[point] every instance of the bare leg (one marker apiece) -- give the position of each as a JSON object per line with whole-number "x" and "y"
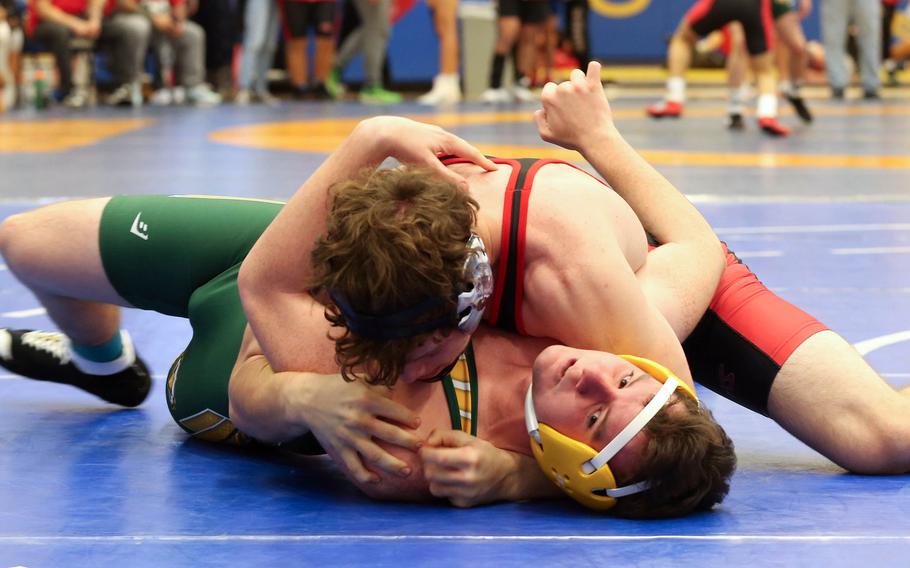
{"x": 791, "y": 35}
{"x": 830, "y": 398}
{"x": 444, "y": 17}
{"x": 737, "y": 74}
{"x": 324, "y": 57}
{"x": 679, "y": 58}
{"x": 296, "y": 60}
{"x": 54, "y": 252}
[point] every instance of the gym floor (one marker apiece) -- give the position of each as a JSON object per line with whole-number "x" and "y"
{"x": 823, "y": 217}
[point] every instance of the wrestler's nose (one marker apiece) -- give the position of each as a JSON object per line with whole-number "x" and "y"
{"x": 593, "y": 384}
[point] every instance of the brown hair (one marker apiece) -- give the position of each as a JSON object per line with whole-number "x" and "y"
{"x": 395, "y": 238}
{"x": 688, "y": 460}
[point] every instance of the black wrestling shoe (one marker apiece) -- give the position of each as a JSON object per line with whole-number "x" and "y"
{"x": 799, "y": 105}
{"x": 735, "y": 121}
{"x": 47, "y": 356}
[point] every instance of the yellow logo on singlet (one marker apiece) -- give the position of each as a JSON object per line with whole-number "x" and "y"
{"x": 619, "y": 8}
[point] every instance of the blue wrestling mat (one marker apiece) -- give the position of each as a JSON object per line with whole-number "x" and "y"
{"x": 822, "y": 217}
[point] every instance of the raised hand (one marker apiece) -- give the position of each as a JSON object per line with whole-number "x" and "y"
{"x": 574, "y": 111}
{"x": 412, "y": 142}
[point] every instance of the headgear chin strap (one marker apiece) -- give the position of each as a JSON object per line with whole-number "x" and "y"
{"x": 469, "y": 308}
{"x": 579, "y": 470}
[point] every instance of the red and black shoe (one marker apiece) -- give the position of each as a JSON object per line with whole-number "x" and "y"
{"x": 665, "y": 109}
{"x": 771, "y": 127}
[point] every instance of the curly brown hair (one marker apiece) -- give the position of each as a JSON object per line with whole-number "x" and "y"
{"x": 395, "y": 238}
{"x": 689, "y": 460}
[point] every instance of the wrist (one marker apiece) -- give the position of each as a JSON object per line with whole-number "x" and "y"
{"x": 598, "y": 137}
{"x": 371, "y": 139}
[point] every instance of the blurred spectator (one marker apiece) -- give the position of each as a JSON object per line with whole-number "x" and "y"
{"x": 11, "y": 39}
{"x": 118, "y": 26}
{"x": 220, "y": 20}
{"x": 891, "y": 64}
{"x": 180, "y": 46}
{"x": 371, "y": 39}
{"x": 300, "y": 16}
{"x": 446, "y": 85}
{"x": 866, "y": 16}
{"x": 260, "y": 40}
{"x": 518, "y": 25}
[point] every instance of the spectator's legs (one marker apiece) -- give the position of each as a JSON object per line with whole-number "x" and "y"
{"x": 350, "y": 47}
{"x": 7, "y": 81}
{"x": 577, "y": 29}
{"x": 737, "y": 72}
{"x": 324, "y": 58}
{"x": 834, "y": 37}
{"x": 259, "y": 36}
{"x": 56, "y": 38}
{"x": 868, "y": 18}
{"x": 127, "y": 36}
{"x": 508, "y": 30}
{"x": 295, "y": 58}
{"x": 190, "y": 49}
{"x": 446, "y": 87}
{"x": 267, "y": 53}
{"x": 375, "y": 27}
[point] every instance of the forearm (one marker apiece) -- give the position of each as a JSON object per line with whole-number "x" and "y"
{"x": 95, "y": 10}
{"x": 267, "y": 405}
{"x": 274, "y": 276}
{"x": 527, "y": 481}
{"x": 50, "y": 13}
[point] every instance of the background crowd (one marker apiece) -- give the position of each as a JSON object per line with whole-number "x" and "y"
{"x": 204, "y": 52}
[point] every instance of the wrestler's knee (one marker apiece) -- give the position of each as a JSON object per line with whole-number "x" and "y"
{"x": 881, "y": 445}
{"x": 15, "y": 238}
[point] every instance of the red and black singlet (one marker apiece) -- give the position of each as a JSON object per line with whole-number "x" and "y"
{"x": 504, "y": 309}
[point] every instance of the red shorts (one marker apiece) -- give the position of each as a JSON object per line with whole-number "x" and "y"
{"x": 745, "y": 337}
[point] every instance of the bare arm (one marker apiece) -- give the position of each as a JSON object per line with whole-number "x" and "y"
{"x": 47, "y": 11}
{"x": 273, "y": 278}
{"x": 469, "y": 471}
{"x": 348, "y": 419}
{"x": 696, "y": 253}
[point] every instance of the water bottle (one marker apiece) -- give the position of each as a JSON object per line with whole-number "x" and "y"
{"x": 40, "y": 89}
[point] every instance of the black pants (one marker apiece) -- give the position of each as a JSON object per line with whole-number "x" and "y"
{"x": 56, "y": 38}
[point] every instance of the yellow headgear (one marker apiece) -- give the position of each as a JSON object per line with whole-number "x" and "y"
{"x": 580, "y": 471}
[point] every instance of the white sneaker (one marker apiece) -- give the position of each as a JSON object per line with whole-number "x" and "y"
{"x": 267, "y": 98}
{"x": 445, "y": 91}
{"x": 202, "y": 95}
{"x": 522, "y": 93}
{"x": 162, "y": 97}
{"x": 121, "y": 96}
{"x": 496, "y": 96}
{"x": 243, "y": 97}
{"x": 78, "y": 98}
{"x": 179, "y": 94}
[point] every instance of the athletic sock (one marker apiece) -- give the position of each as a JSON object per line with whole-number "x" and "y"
{"x": 107, "y": 351}
{"x": 737, "y": 100}
{"x": 767, "y": 106}
{"x": 109, "y": 358}
{"x": 676, "y": 90}
{"x": 499, "y": 63}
